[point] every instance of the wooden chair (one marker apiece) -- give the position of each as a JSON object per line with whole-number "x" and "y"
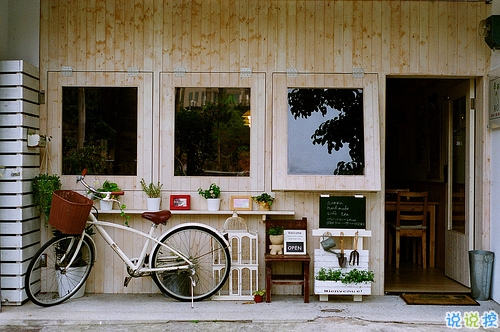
{"x": 287, "y": 279}
{"x": 392, "y": 196}
{"x": 411, "y": 221}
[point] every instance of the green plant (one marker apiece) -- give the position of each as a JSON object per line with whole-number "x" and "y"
{"x": 260, "y": 292}
{"x": 276, "y": 230}
{"x": 264, "y": 198}
{"x": 109, "y": 187}
{"x": 212, "y": 192}
{"x": 152, "y": 190}
{"x": 113, "y": 187}
{"x": 330, "y": 274}
{"x": 353, "y": 276}
{"x": 43, "y": 186}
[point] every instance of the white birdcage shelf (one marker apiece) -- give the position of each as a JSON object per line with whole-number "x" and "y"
{"x": 244, "y": 277}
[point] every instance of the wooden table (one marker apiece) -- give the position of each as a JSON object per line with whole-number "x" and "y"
{"x": 390, "y": 206}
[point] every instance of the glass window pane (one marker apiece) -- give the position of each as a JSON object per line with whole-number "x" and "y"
{"x": 100, "y": 130}
{"x": 325, "y": 132}
{"x": 212, "y": 131}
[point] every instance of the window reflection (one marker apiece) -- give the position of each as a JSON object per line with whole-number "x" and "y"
{"x": 325, "y": 132}
{"x": 99, "y": 130}
{"x": 212, "y": 131}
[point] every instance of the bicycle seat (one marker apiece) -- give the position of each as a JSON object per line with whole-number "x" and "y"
{"x": 157, "y": 217}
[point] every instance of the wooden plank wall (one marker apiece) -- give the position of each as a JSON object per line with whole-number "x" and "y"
{"x": 437, "y": 38}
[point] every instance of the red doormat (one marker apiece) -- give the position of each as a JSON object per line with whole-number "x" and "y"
{"x": 438, "y": 299}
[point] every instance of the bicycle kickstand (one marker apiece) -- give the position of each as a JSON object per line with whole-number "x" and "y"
{"x": 193, "y": 284}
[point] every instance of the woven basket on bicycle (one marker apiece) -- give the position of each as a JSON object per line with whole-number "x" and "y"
{"x": 69, "y": 211}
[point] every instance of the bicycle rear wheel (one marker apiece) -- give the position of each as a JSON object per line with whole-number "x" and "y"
{"x": 211, "y": 258}
{"x": 48, "y": 282}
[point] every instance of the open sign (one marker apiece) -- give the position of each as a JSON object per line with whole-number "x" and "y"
{"x": 294, "y": 241}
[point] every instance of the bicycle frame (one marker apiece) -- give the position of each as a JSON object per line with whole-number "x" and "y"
{"x": 185, "y": 264}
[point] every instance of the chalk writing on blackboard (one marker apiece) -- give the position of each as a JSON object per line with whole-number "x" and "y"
{"x": 342, "y": 212}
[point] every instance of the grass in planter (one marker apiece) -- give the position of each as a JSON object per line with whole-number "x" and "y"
{"x": 353, "y": 276}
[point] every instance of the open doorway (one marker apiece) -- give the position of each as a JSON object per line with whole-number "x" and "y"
{"x": 419, "y": 151}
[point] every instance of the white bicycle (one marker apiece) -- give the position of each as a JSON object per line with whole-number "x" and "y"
{"x": 189, "y": 262}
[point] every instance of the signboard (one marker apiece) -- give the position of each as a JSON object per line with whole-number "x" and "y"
{"x": 494, "y": 112}
{"x": 342, "y": 212}
{"x": 294, "y": 241}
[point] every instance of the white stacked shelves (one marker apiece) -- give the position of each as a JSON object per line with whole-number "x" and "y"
{"x": 19, "y": 164}
{"x": 244, "y": 277}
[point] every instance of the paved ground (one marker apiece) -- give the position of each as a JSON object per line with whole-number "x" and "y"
{"x": 143, "y": 312}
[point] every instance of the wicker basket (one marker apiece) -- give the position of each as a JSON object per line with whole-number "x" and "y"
{"x": 69, "y": 211}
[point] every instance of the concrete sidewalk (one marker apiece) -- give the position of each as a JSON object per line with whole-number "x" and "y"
{"x": 379, "y": 312}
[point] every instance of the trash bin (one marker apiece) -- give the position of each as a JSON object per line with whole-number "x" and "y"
{"x": 481, "y": 269}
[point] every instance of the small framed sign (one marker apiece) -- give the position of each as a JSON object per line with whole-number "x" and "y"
{"x": 294, "y": 241}
{"x": 241, "y": 203}
{"x": 180, "y": 202}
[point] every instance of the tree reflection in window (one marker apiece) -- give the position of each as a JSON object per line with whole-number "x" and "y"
{"x": 331, "y": 118}
{"x": 99, "y": 130}
{"x": 212, "y": 131}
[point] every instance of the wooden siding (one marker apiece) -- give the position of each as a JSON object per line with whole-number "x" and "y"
{"x": 213, "y": 36}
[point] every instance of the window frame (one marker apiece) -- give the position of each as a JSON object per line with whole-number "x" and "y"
{"x": 169, "y": 81}
{"x": 145, "y": 151}
{"x": 371, "y": 179}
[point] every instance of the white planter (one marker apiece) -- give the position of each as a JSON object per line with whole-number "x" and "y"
{"x": 213, "y": 204}
{"x": 106, "y": 205}
{"x": 73, "y": 273}
{"x": 153, "y": 203}
{"x": 339, "y": 288}
{"x": 276, "y": 239}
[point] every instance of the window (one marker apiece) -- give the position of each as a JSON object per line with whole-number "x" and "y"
{"x": 212, "y": 131}
{"x": 242, "y": 145}
{"x": 325, "y": 125}
{"x": 325, "y": 132}
{"x": 99, "y": 130}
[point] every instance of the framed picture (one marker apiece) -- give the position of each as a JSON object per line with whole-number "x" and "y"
{"x": 180, "y": 202}
{"x": 241, "y": 203}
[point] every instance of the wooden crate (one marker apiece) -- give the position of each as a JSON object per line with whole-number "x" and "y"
{"x": 329, "y": 260}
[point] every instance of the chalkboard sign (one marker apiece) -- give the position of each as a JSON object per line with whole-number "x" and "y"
{"x": 342, "y": 212}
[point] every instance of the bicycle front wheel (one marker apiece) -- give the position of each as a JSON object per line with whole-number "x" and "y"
{"x": 205, "y": 249}
{"x": 48, "y": 280}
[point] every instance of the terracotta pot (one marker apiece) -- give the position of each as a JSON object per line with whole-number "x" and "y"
{"x": 257, "y": 298}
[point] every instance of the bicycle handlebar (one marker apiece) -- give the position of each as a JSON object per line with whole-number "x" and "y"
{"x": 99, "y": 194}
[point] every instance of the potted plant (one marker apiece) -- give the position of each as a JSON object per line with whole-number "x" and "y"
{"x": 276, "y": 235}
{"x": 212, "y": 195}
{"x": 154, "y": 192}
{"x": 264, "y": 200}
{"x": 43, "y": 186}
{"x": 258, "y": 295}
{"x": 108, "y": 186}
{"x": 341, "y": 282}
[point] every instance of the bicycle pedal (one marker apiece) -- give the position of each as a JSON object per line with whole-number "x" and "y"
{"x": 127, "y": 280}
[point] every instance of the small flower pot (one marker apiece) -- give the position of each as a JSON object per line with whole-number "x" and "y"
{"x": 258, "y": 298}
{"x": 213, "y": 204}
{"x": 276, "y": 239}
{"x": 153, "y": 203}
{"x": 264, "y": 206}
{"x": 106, "y": 205}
